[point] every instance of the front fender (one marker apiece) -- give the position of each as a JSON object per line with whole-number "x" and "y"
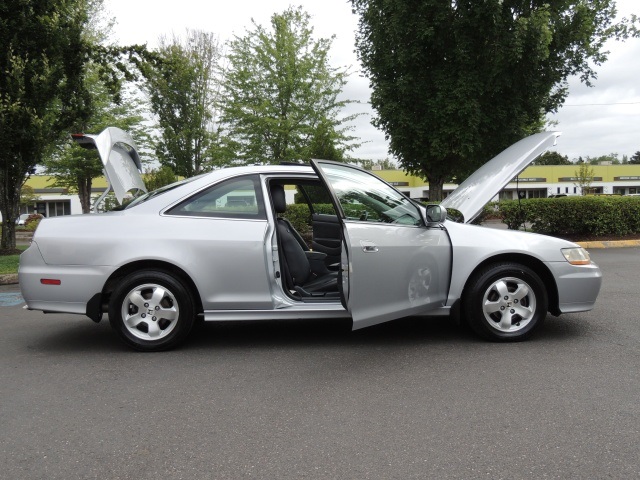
{"x": 474, "y": 245}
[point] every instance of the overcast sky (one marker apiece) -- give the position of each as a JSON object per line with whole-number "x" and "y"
{"x": 595, "y": 121}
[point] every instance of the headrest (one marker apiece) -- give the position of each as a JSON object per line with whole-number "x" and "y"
{"x": 279, "y": 198}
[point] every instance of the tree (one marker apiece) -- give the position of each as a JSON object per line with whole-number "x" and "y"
{"x": 159, "y": 177}
{"x": 385, "y": 164}
{"x": 281, "y": 95}
{"x": 584, "y": 176}
{"x": 27, "y": 196}
{"x": 612, "y": 158}
{"x": 552, "y": 158}
{"x": 74, "y": 167}
{"x": 71, "y": 166}
{"x": 635, "y": 158}
{"x": 454, "y": 83}
{"x": 183, "y": 89}
{"x": 40, "y": 90}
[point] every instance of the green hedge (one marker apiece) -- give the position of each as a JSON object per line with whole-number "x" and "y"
{"x": 299, "y": 216}
{"x": 589, "y": 215}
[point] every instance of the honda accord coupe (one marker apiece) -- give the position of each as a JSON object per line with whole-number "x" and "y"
{"x": 221, "y": 246}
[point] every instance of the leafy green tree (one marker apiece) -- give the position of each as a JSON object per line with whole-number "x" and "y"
{"x": 159, "y": 177}
{"x": 385, "y": 164}
{"x": 183, "y": 89}
{"x": 40, "y": 90}
{"x": 73, "y": 167}
{"x": 635, "y": 158}
{"x": 454, "y": 83}
{"x": 552, "y": 158}
{"x": 27, "y": 196}
{"x": 281, "y": 95}
{"x": 323, "y": 145}
{"x": 612, "y": 157}
{"x": 584, "y": 176}
{"x": 43, "y": 95}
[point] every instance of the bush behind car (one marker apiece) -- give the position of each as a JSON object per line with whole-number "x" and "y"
{"x": 588, "y": 215}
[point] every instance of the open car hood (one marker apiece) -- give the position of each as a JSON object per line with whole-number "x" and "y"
{"x": 118, "y": 153}
{"x": 476, "y": 191}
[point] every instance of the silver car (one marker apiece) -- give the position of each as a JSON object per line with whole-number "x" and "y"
{"x": 220, "y": 246}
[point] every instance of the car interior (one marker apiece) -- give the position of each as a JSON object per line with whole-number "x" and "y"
{"x": 309, "y": 274}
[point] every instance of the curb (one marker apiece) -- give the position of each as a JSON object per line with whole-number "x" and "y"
{"x": 610, "y": 244}
{"x": 12, "y": 278}
{"x": 9, "y": 279}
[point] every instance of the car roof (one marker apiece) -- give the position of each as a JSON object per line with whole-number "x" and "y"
{"x": 229, "y": 172}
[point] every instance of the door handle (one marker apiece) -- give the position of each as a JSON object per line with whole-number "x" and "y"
{"x": 368, "y": 247}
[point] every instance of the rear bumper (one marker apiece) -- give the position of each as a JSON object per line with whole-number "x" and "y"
{"x": 78, "y": 283}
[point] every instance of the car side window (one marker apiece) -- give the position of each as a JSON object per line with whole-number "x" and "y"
{"x": 364, "y": 197}
{"x": 235, "y": 198}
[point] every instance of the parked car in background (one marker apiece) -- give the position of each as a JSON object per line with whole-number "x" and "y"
{"x": 22, "y": 219}
{"x": 193, "y": 249}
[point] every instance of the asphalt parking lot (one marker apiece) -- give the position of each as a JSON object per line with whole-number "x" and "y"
{"x": 413, "y": 398}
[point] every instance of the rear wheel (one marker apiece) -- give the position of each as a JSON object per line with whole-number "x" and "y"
{"x": 505, "y": 302}
{"x": 151, "y": 310}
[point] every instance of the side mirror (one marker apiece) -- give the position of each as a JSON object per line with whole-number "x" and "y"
{"x": 435, "y": 214}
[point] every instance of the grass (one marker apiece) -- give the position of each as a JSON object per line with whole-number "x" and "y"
{"x": 9, "y": 263}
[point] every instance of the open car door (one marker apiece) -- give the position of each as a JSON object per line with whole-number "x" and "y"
{"x": 393, "y": 265}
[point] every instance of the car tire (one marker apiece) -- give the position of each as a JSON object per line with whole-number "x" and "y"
{"x": 169, "y": 314}
{"x": 505, "y": 302}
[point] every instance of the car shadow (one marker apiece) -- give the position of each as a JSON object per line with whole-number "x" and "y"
{"x": 78, "y": 336}
{"x": 87, "y": 337}
{"x": 327, "y": 332}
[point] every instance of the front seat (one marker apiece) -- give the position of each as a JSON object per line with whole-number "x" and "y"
{"x": 297, "y": 258}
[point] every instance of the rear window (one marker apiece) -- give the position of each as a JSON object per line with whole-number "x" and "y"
{"x": 154, "y": 193}
{"x": 235, "y": 198}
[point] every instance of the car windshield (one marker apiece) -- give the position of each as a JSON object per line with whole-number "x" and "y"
{"x": 159, "y": 191}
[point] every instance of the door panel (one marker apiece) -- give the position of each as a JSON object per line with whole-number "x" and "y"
{"x": 395, "y": 265}
{"x": 395, "y": 271}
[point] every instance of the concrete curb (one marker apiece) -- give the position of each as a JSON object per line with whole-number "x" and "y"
{"x": 12, "y": 278}
{"x": 9, "y": 279}
{"x": 610, "y": 244}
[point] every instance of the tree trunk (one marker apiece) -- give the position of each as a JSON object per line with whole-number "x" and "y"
{"x": 10, "y": 209}
{"x": 84, "y": 193}
{"x": 8, "y": 234}
{"x": 435, "y": 188}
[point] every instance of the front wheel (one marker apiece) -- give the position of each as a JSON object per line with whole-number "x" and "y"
{"x": 505, "y": 302}
{"x": 151, "y": 310}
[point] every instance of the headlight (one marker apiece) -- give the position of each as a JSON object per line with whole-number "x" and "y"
{"x": 576, "y": 256}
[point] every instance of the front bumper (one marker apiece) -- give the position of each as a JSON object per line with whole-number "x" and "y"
{"x": 578, "y": 285}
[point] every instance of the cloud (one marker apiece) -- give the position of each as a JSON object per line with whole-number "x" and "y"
{"x": 588, "y": 130}
{"x": 606, "y": 117}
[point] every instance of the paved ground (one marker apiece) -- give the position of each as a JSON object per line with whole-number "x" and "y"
{"x": 408, "y": 399}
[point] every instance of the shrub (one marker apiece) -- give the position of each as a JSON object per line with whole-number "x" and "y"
{"x": 300, "y": 217}
{"x": 589, "y": 215}
{"x": 32, "y": 222}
